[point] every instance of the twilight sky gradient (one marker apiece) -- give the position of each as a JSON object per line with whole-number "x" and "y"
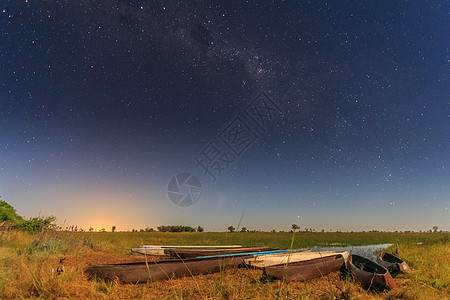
{"x": 102, "y": 102}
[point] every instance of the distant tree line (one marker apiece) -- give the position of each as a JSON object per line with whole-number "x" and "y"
{"x": 10, "y": 219}
{"x": 178, "y": 228}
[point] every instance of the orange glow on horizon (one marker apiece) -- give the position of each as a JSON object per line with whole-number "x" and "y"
{"x": 100, "y": 206}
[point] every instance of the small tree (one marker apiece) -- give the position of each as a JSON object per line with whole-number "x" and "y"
{"x": 435, "y": 228}
{"x": 200, "y": 229}
{"x": 244, "y": 229}
{"x": 113, "y": 228}
{"x": 8, "y": 213}
{"x": 295, "y": 227}
{"x": 231, "y": 229}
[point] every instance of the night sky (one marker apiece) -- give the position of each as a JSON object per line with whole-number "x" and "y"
{"x": 340, "y": 113}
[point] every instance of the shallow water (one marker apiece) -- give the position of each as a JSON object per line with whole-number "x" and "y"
{"x": 368, "y": 251}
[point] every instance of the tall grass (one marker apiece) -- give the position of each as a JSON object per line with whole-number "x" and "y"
{"x": 29, "y": 264}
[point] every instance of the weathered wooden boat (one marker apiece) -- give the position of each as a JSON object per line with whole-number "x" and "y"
{"x": 159, "y": 250}
{"x": 149, "y": 250}
{"x": 393, "y": 263}
{"x": 369, "y": 273}
{"x": 307, "y": 269}
{"x": 162, "y": 270}
{"x": 298, "y": 255}
{"x": 184, "y": 253}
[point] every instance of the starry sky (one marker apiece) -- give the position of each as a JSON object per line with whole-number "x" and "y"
{"x": 102, "y": 102}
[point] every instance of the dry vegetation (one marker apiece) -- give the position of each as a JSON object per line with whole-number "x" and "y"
{"x": 50, "y": 265}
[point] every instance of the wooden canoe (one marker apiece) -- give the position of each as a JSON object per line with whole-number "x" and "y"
{"x": 369, "y": 273}
{"x": 159, "y": 250}
{"x": 393, "y": 263}
{"x": 148, "y": 251}
{"x": 306, "y": 270}
{"x": 193, "y": 253}
{"x": 163, "y": 270}
{"x": 289, "y": 257}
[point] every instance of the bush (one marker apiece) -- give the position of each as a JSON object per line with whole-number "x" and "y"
{"x": 34, "y": 225}
{"x": 8, "y": 213}
{"x": 179, "y": 228}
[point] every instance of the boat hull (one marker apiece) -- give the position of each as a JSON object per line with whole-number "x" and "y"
{"x": 370, "y": 274}
{"x": 159, "y": 250}
{"x": 163, "y": 270}
{"x": 290, "y": 257}
{"x": 393, "y": 264}
{"x": 193, "y": 253}
{"x": 306, "y": 270}
{"x": 149, "y": 251}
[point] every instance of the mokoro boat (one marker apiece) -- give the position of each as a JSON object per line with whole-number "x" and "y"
{"x": 290, "y": 257}
{"x": 393, "y": 263}
{"x": 155, "y": 271}
{"x": 159, "y": 250}
{"x": 306, "y": 270}
{"x": 193, "y": 253}
{"x": 369, "y": 273}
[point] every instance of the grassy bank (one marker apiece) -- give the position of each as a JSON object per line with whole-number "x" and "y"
{"x": 31, "y": 266}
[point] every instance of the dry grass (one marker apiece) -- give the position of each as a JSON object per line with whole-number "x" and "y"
{"x": 31, "y": 268}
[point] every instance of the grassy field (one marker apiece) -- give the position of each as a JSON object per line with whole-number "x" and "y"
{"x": 31, "y": 266}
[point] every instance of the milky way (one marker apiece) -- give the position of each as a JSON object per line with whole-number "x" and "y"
{"x": 102, "y": 103}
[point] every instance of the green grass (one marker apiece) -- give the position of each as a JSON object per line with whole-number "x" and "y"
{"x": 125, "y": 240}
{"x": 29, "y": 262}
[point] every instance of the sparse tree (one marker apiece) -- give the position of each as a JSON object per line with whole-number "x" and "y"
{"x": 231, "y": 229}
{"x": 435, "y": 228}
{"x": 244, "y": 229}
{"x": 295, "y": 227}
{"x": 200, "y": 229}
{"x": 113, "y": 228}
{"x": 177, "y": 228}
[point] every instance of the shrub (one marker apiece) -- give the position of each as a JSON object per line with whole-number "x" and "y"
{"x": 178, "y": 228}
{"x": 8, "y": 213}
{"x": 34, "y": 225}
